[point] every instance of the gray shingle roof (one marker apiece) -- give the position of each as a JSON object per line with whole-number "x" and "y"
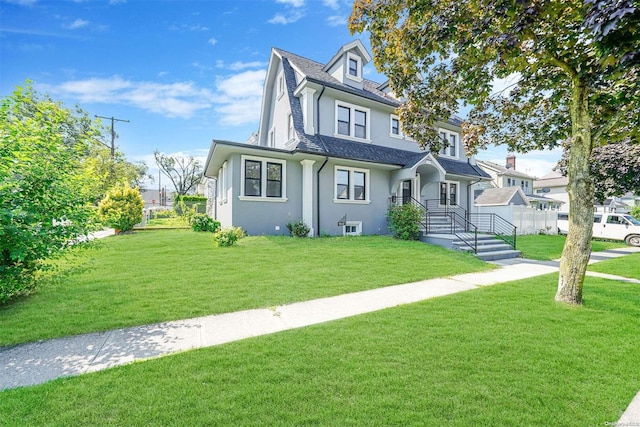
{"x": 344, "y": 148}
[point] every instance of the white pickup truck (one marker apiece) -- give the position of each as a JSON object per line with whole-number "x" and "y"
{"x": 613, "y": 226}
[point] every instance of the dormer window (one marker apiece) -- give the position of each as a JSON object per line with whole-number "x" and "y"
{"x": 354, "y": 67}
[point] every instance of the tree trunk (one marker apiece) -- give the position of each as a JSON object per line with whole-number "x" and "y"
{"x": 577, "y": 248}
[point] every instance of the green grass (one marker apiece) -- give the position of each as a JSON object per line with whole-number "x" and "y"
{"x": 501, "y": 355}
{"x": 148, "y": 277}
{"x": 173, "y": 222}
{"x": 626, "y": 266}
{"x": 549, "y": 247}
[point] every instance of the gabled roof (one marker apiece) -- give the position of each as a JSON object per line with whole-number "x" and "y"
{"x": 503, "y": 196}
{"x": 357, "y": 45}
{"x": 552, "y": 179}
{"x": 501, "y": 170}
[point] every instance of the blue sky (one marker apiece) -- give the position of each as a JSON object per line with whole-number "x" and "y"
{"x": 182, "y": 72}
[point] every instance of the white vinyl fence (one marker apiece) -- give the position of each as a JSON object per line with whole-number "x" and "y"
{"x": 528, "y": 220}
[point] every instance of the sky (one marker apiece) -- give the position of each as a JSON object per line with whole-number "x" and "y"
{"x": 181, "y": 72}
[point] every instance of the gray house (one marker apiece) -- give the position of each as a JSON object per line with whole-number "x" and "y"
{"x": 331, "y": 152}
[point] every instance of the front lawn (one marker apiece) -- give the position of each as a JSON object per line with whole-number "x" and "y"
{"x": 149, "y": 277}
{"x": 549, "y": 247}
{"x": 626, "y": 266}
{"x": 501, "y": 355}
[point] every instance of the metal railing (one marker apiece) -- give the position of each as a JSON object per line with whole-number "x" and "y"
{"x": 453, "y": 219}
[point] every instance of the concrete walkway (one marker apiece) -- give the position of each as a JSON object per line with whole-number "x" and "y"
{"x": 39, "y": 362}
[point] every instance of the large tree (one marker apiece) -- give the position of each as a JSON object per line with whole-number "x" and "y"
{"x": 184, "y": 172}
{"x": 569, "y": 86}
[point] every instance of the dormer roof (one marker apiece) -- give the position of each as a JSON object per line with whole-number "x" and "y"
{"x": 354, "y": 45}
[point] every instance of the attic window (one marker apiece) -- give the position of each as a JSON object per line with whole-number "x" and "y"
{"x": 354, "y": 67}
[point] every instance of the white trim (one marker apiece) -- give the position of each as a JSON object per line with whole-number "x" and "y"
{"x": 222, "y": 184}
{"x": 280, "y": 83}
{"x": 272, "y": 137}
{"x": 358, "y": 59}
{"x": 448, "y": 134}
{"x": 357, "y": 224}
{"x": 448, "y": 182}
{"x": 290, "y": 131}
{"x": 367, "y": 185}
{"x": 263, "y": 179}
{"x": 398, "y": 135}
{"x": 352, "y": 122}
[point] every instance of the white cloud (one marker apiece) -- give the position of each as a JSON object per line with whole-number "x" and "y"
{"x": 333, "y": 4}
{"x": 289, "y": 18}
{"x": 22, "y": 2}
{"x": 239, "y": 98}
{"x": 212, "y": 41}
{"x": 77, "y": 24}
{"x": 181, "y": 99}
{"x": 337, "y": 20}
{"x": 189, "y": 27}
{"x": 292, "y": 3}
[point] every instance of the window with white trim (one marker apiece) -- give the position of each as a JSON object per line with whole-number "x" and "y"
{"x": 354, "y": 67}
{"x": 290, "y": 127}
{"x": 351, "y": 185}
{"x": 352, "y": 228}
{"x": 449, "y": 143}
{"x": 394, "y": 126}
{"x": 272, "y": 137}
{"x": 449, "y": 193}
{"x": 352, "y": 120}
{"x": 280, "y": 84}
{"x": 263, "y": 178}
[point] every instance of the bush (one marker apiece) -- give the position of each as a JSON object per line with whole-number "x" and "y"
{"x": 164, "y": 213}
{"x": 404, "y": 221}
{"x": 298, "y": 229}
{"x": 121, "y": 208}
{"x": 189, "y": 205}
{"x": 203, "y": 222}
{"x": 635, "y": 212}
{"x": 228, "y": 236}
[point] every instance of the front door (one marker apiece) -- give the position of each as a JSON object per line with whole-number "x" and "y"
{"x": 448, "y": 193}
{"x": 406, "y": 192}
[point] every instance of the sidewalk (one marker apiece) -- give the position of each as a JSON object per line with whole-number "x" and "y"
{"x": 39, "y": 362}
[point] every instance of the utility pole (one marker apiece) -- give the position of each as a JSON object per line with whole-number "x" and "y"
{"x": 113, "y": 133}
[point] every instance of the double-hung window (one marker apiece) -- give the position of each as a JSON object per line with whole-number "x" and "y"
{"x": 394, "y": 126}
{"x": 263, "y": 178}
{"x": 354, "y": 67}
{"x": 351, "y": 185}
{"x": 352, "y": 121}
{"x": 449, "y": 142}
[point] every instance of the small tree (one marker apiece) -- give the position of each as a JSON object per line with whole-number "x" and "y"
{"x": 404, "y": 221}
{"x": 121, "y": 208}
{"x": 635, "y": 212}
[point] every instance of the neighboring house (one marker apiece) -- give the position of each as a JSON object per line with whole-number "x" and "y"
{"x": 508, "y": 177}
{"x": 502, "y": 197}
{"x": 331, "y": 152}
{"x": 553, "y": 185}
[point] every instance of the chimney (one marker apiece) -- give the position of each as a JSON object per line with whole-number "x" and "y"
{"x": 511, "y": 162}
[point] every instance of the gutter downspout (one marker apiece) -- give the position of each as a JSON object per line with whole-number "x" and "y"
{"x": 326, "y": 159}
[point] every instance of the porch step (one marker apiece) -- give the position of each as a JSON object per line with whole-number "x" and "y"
{"x": 490, "y": 248}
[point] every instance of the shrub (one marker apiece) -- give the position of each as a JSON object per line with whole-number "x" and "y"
{"x": 121, "y": 208}
{"x": 298, "y": 228}
{"x": 635, "y": 212}
{"x": 203, "y": 222}
{"x": 404, "y": 221}
{"x": 228, "y": 236}
{"x": 195, "y": 204}
{"x": 164, "y": 213}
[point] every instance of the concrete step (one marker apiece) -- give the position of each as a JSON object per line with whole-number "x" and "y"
{"x": 495, "y": 255}
{"x": 496, "y": 247}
